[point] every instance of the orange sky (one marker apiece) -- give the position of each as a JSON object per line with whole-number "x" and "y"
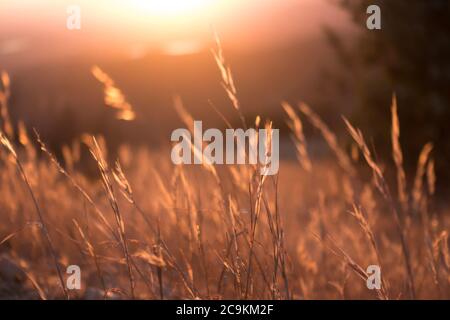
{"x": 38, "y": 26}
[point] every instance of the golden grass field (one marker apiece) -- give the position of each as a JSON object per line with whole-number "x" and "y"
{"x": 144, "y": 228}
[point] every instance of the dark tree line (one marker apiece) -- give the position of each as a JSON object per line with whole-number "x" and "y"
{"x": 410, "y": 56}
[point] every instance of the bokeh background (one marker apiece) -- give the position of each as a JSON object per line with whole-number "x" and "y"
{"x": 317, "y": 51}
{"x": 145, "y": 228}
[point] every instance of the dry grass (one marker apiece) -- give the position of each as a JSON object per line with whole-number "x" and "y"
{"x": 147, "y": 229}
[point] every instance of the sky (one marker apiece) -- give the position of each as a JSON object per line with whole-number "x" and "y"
{"x": 276, "y": 49}
{"x": 37, "y": 28}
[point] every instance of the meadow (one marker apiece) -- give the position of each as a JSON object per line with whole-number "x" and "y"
{"x": 144, "y": 228}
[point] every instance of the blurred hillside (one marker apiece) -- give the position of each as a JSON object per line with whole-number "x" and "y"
{"x": 263, "y": 78}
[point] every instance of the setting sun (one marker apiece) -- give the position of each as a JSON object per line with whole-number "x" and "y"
{"x": 172, "y": 7}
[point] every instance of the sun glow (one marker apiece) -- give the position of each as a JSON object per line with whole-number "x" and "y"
{"x": 172, "y": 7}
